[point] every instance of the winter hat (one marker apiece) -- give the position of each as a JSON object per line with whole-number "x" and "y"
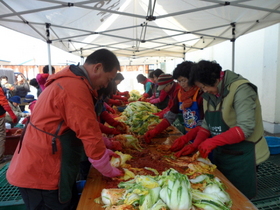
{"x": 15, "y": 99}
{"x": 29, "y": 98}
{"x": 163, "y": 80}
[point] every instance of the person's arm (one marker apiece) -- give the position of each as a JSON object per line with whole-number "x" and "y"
{"x": 245, "y": 107}
{"x": 120, "y": 126}
{"x": 114, "y": 102}
{"x": 5, "y": 104}
{"x": 161, "y": 97}
{"x": 69, "y": 99}
{"x": 148, "y": 87}
{"x": 107, "y": 130}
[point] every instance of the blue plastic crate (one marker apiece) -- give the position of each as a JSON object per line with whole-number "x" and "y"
{"x": 273, "y": 144}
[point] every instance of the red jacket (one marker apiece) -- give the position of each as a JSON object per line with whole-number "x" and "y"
{"x": 3, "y": 102}
{"x": 173, "y": 102}
{"x": 68, "y": 98}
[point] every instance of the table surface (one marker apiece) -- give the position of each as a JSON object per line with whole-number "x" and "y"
{"x": 96, "y": 182}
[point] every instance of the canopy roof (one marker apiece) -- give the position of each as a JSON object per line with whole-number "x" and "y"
{"x": 138, "y": 31}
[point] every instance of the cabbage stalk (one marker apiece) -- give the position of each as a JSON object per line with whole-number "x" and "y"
{"x": 175, "y": 191}
{"x": 159, "y": 205}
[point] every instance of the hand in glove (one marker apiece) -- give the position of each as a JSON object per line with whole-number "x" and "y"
{"x": 127, "y": 94}
{"x": 183, "y": 140}
{"x": 113, "y": 145}
{"x": 107, "y": 130}
{"x": 201, "y": 136}
{"x": 161, "y": 113}
{"x": 115, "y": 102}
{"x": 158, "y": 129}
{"x": 232, "y": 136}
{"x": 11, "y": 113}
{"x": 146, "y": 95}
{"x": 104, "y": 166}
{"x": 109, "y": 109}
{"x": 121, "y": 127}
{"x": 142, "y": 98}
{"x": 119, "y": 97}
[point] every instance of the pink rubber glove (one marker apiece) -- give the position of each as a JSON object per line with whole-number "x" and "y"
{"x": 103, "y": 165}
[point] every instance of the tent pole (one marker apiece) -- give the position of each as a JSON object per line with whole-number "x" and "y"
{"x": 233, "y": 45}
{"x": 233, "y": 55}
{"x": 82, "y": 57}
{"x": 49, "y": 56}
{"x": 49, "y": 46}
{"x": 184, "y": 52}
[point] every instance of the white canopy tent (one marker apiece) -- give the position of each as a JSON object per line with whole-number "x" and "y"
{"x": 138, "y": 31}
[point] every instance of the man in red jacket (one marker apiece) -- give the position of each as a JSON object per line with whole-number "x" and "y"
{"x": 63, "y": 127}
{"x": 4, "y": 107}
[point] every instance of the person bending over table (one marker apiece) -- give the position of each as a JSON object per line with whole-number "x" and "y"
{"x": 232, "y": 127}
{"x": 62, "y": 127}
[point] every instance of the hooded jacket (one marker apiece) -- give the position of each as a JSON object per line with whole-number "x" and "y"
{"x": 68, "y": 97}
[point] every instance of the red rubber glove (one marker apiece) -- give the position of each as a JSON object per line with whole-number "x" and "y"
{"x": 161, "y": 113}
{"x": 146, "y": 95}
{"x": 121, "y": 127}
{"x": 116, "y": 145}
{"x": 104, "y": 166}
{"x": 115, "y": 102}
{"x": 11, "y": 113}
{"x": 183, "y": 140}
{"x": 109, "y": 109}
{"x": 107, "y": 130}
{"x": 125, "y": 99}
{"x": 120, "y": 98}
{"x": 125, "y": 93}
{"x": 201, "y": 136}
{"x": 232, "y": 136}
{"x": 113, "y": 145}
{"x": 142, "y": 98}
{"x": 158, "y": 129}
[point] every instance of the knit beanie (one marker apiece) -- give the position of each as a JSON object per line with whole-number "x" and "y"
{"x": 163, "y": 80}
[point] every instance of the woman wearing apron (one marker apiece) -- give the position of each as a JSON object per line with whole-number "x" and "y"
{"x": 184, "y": 100}
{"x": 232, "y": 127}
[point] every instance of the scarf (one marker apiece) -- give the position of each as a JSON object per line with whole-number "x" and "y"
{"x": 187, "y": 96}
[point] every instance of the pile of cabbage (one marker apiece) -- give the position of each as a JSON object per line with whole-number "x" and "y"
{"x": 134, "y": 95}
{"x": 139, "y": 115}
{"x": 171, "y": 190}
